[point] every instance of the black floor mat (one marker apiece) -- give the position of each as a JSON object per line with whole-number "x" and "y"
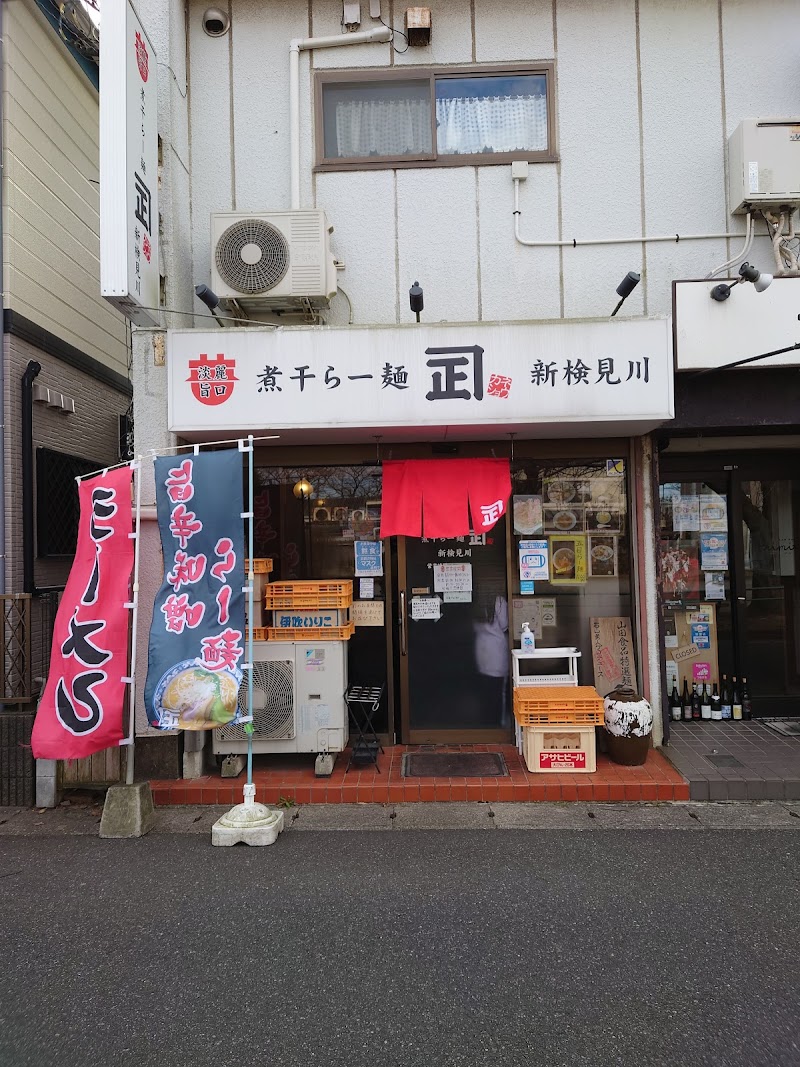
{"x": 453, "y": 765}
{"x": 784, "y": 727}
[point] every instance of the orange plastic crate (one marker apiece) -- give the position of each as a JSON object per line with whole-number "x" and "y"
{"x": 326, "y": 633}
{"x": 260, "y": 566}
{"x": 259, "y": 633}
{"x": 579, "y": 705}
{"x": 338, "y": 594}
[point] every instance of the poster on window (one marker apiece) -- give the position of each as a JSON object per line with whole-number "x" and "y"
{"x": 686, "y": 514}
{"x": 198, "y": 627}
{"x": 713, "y": 551}
{"x": 680, "y": 569}
{"x": 713, "y": 513}
{"x": 527, "y": 515}
{"x": 603, "y": 556}
{"x": 369, "y": 559}
{"x": 568, "y": 560}
{"x": 81, "y": 710}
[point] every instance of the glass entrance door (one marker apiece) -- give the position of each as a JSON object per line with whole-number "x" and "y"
{"x": 730, "y": 588}
{"x": 454, "y": 646}
{"x": 768, "y": 594}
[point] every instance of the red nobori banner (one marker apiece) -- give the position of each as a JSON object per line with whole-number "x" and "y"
{"x": 81, "y": 710}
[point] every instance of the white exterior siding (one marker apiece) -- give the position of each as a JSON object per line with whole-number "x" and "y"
{"x": 51, "y": 269}
{"x": 646, "y": 95}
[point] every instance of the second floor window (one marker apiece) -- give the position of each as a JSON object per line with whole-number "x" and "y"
{"x": 376, "y": 119}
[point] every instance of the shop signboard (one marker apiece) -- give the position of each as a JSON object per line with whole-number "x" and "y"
{"x": 129, "y": 269}
{"x": 612, "y": 653}
{"x": 614, "y": 375}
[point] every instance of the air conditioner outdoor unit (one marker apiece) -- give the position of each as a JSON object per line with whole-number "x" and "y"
{"x": 298, "y": 699}
{"x": 764, "y": 164}
{"x": 273, "y": 260}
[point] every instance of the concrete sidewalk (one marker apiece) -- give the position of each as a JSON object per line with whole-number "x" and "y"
{"x": 84, "y": 820}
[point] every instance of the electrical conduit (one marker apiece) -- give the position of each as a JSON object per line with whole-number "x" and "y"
{"x": 308, "y": 44}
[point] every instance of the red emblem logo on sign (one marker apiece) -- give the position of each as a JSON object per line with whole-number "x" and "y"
{"x": 142, "y": 58}
{"x": 212, "y": 380}
{"x": 499, "y": 385}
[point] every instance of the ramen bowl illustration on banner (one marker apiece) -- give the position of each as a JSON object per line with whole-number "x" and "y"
{"x": 191, "y": 697}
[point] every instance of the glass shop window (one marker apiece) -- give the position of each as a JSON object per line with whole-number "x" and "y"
{"x": 309, "y": 520}
{"x": 571, "y": 560}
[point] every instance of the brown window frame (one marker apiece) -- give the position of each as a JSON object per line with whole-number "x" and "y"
{"x": 377, "y": 75}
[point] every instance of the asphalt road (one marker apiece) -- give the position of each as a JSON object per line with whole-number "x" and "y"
{"x": 651, "y": 947}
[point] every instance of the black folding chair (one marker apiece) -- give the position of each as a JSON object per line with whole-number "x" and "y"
{"x": 363, "y": 701}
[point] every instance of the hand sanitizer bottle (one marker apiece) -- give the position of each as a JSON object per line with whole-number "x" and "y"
{"x": 527, "y": 643}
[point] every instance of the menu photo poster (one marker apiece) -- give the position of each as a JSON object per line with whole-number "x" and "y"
{"x": 527, "y": 515}
{"x": 558, "y": 520}
{"x": 568, "y": 560}
{"x": 603, "y": 556}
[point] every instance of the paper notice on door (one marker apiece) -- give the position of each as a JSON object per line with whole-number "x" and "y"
{"x": 452, "y": 577}
{"x": 686, "y": 514}
{"x": 458, "y": 596}
{"x": 426, "y": 607}
{"x": 368, "y": 612}
{"x": 366, "y": 588}
{"x": 715, "y": 586}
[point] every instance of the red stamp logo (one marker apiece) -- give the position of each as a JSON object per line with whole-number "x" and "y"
{"x": 142, "y": 58}
{"x": 499, "y": 385}
{"x": 212, "y": 381}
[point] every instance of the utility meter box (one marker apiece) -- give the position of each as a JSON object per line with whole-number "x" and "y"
{"x": 764, "y": 164}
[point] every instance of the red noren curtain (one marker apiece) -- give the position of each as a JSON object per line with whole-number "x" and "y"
{"x": 443, "y": 497}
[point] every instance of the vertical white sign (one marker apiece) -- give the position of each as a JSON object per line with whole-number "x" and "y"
{"x": 129, "y": 274}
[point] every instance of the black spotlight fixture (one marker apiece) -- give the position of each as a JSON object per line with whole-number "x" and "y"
{"x": 415, "y": 299}
{"x": 210, "y": 299}
{"x": 747, "y": 273}
{"x": 625, "y": 288}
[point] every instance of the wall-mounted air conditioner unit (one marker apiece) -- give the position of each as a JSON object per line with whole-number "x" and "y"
{"x": 298, "y": 699}
{"x": 273, "y": 260}
{"x": 764, "y": 164}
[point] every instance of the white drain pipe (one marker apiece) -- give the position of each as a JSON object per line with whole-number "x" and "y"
{"x": 381, "y": 33}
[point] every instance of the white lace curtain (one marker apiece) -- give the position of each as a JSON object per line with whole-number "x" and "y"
{"x": 465, "y": 126}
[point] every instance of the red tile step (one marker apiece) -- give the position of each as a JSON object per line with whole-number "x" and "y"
{"x": 291, "y": 780}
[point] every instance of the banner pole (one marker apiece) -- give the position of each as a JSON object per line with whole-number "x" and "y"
{"x": 131, "y": 742}
{"x": 250, "y": 585}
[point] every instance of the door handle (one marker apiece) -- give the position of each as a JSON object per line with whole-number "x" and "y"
{"x": 403, "y": 624}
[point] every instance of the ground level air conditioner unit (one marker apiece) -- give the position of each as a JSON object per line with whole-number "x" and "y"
{"x": 273, "y": 260}
{"x": 298, "y": 700}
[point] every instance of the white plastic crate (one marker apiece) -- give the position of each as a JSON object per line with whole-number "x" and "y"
{"x": 559, "y": 749}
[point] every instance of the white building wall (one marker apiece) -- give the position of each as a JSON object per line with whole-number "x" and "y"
{"x": 646, "y": 95}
